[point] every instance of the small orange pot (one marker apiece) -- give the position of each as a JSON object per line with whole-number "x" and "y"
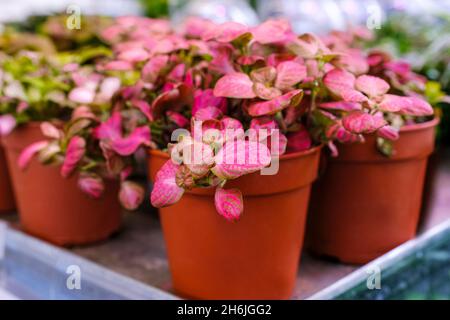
{"x": 367, "y": 204}
{"x": 254, "y": 258}
{"x": 7, "y": 203}
{"x": 54, "y": 208}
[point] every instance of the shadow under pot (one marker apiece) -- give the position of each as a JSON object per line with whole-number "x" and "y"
{"x": 54, "y": 208}
{"x": 7, "y": 203}
{"x": 366, "y": 204}
{"x": 254, "y": 258}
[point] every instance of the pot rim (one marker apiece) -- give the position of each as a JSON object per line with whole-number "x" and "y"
{"x": 420, "y": 126}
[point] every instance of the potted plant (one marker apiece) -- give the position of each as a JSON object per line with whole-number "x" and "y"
{"x": 269, "y": 89}
{"x": 368, "y": 200}
{"x": 57, "y": 102}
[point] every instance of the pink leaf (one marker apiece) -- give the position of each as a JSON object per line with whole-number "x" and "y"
{"x": 7, "y": 124}
{"x": 289, "y": 73}
{"x": 266, "y": 93}
{"x": 340, "y": 105}
{"x": 371, "y": 86}
{"x": 177, "y": 118}
{"x": 237, "y": 158}
{"x": 82, "y": 95}
{"x": 91, "y": 184}
{"x": 165, "y": 190}
{"x": 235, "y": 85}
{"x": 118, "y": 65}
{"x": 131, "y": 195}
{"x": 271, "y": 107}
{"x": 153, "y": 67}
{"x": 111, "y": 128}
{"x": 362, "y": 122}
{"x": 338, "y": 80}
{"x": 388, "y": 132}
{"x": 108, "y": 88}
{"x": 206, "y": 98}
{"x": 229, "y": 203}
{"x": 272, "y": 31}
{"x": 134, "y": 55}
{"x": 417, "y": 107}
{"x": 128, "y": 145}
{"x": 50, "y": 131}
{"x": 351, "y": 95}
{"x": 208, "y": 113}
{"x": 28, "y": 153}
{"x": 74, "y": 153}
{"x": 299, "y": 141}
{"x": 394, "y": 103}
{"x": 225, "y": 32}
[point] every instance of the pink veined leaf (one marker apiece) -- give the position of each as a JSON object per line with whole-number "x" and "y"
{"x": 240, "y": 157}
{"x": 131, "y": 195}
{"x": 306, "y": 46}
{"x": 266, "y": 93}
{"x": 229, "y": 203}
{"x": 264, "y": 75}
{"x": 235, "y": 85}
{"x": 82, "y": 95}
{"x": 362, "y": 122}
{"x": 394, "y": 103}
{"x": 153, "y": 67}
{"x": 198, "y": 157}
{"x": 7, "y": 124}
{"x": 351, "y": 95}
{"x": 354, "y": 61}
{"x": 340, "y": 105}
{"x": 50, "y": 131}
{"x": 74, "y": 153}
{"x": 272, "y": 31}
{"x": 108, "y": 88}
{"x": 177, "y": 118}
{"x": 289, "y": 73}
{"x": 28, "y": 153}
{"x": 134, "y": 55}
{"x": 83, "y": 112}
{"x": 273, "y": 106}
{"x": 388, "y": 132}
{"x": 231, "y": 123}
{"x": 165, "y": 189}
{"x": 91, "y": 184}
{"x": 338, "y": 80}
{"x": 205, "y": 98}
{"x": 208, "y": 113}
{"x": 371, "y": 86}
{"x": 128, "y": 145}
{"x": 338, "y": 132}
{"x": 298, "y": 141}
{"x": 118, "y": 65}
{"x": 225, "y": 32}
{"x": 417, "y": 107}
{"x": 232, "y": 129}
{"x": 111, "y": 129}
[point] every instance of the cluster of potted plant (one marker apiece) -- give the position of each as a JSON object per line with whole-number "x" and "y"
{"x": 234, "y": 120}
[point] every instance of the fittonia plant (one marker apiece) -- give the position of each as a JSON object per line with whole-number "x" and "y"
{"x": 269, "y": 78}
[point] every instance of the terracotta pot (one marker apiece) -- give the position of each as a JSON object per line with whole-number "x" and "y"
{"x": 367, "y": 204}
{"x": 254, "y": 258}
{"x": 7, "y": 203}
{"x": 54, "y": 208}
